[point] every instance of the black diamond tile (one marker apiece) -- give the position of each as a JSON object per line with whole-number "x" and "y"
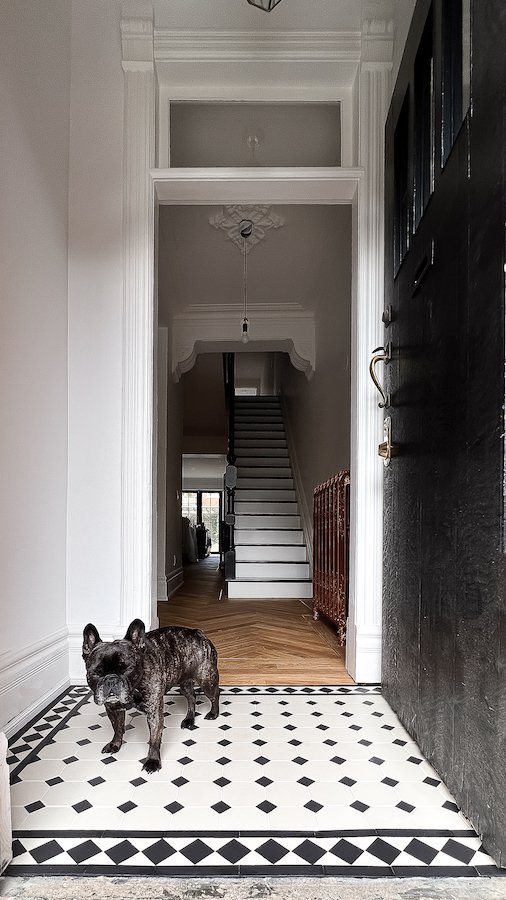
{"x": 300, "y": 760}
{"x": 421, "y": 851}
{"x": 138, "y": 781}
{"x": 33, "y": 807}
{"x": 384, "y": 851}
{"x": 349, "y": 782}
{"x": 257, "y": 727}
{"x": 257, "y": 713}
{"x": 266, "y": 806}
{"x": 223, "y": 761}
{"x": 451, "y": 806}
{"x": 121, "y": 852}
{"x": 224, "y": 743}
{"x": 93, "y": 727}
{"x": 330, "y": 742}
{"x": 388, "y": 727}
{"x": 290, "y": 728}
{"x": 226, "y": 714}
{"x": 72, "y": 759}
{"x": 338, "y": 760}
{"x": 305, "y": 781}
{"x": 46, "y": 852}
{"x": 220, "y": 807}
{"x": 84, "y": 851}
{"x": 295, "y": 743}
{"x": 313, "y": 806}
{"x": 347, "y": 715}
{"x": 322, "y": 727}
{"x": 180, "y": 781}
{"x": 189, "y": 743}
{"x": 317, "y": 714}
{"x": 263, "y": 781}
{"x": 158, "y": 852}
{"x": 108, "y": 760}
{"x": 173, "y": 807}
{"x": 434, "y": 782}
{"x": 365, "y": 743}
{"x": 222, "y": 782}
{"x": 390, "y": 781}
{"x": 52, "y": 781}
{"x": 309, "y": 851}
{"x": 17, "y": 849}
{"x": 261, "y": 760}
{"x": 225, "y": 727}
{"x": 83, "y": 742}
{"x": 233, "y": 851}
{"x": 127, "y": 807}
{"x": 260, "y": 743}
{"x": 355, "y": 728}
{"x": 406, "y": 807}
{"x": 346, "y": 851}
{"x": 272, "y": 851}
{"x": 399, "y": 743}
{"x": 415, "y": 760}
{"x": 196, "y": 851}
{"x": 376, "y": 760}
{"x": 458, "y": 851}
{"x": 185, "y": 760}
{"x": 357, "y": 804}
{"x": 95, "y": 781}
{"x": 81, "y": 806}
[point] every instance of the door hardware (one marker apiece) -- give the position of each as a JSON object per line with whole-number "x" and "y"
{"x": 387, "y": 316}
{"x": 380, "y": 354}
{"x": 423, "y": 268}
{"x": 387, "y": 450}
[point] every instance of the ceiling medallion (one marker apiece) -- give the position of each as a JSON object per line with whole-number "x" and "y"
{"x": 230, "y": 218}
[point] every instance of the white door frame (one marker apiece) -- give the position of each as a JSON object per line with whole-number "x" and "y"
{"x": 144, "y": 187}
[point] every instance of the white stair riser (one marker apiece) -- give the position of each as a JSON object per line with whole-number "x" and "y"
{"x": 274, "y": 468}
{"x": 254, "y": 494}
{"x": 267, "y": 521}
{"x": 265, "y": 508}
{"x": 272, "y": 589}
{"x": 265, "y": 484}
{"x": 268, "y": 536}
{"x": 269, "y": 570}
{"x": 265, "y": 455}
{"x": 271, "y": 553}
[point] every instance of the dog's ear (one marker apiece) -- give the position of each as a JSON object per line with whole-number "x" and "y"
{"x": 91, "y": 638}
{"x": 136, "y": 633}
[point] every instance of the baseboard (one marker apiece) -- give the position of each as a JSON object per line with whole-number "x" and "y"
{"x": 363, "y": 653}
{"x": 306, "y": 516}
{"x": 5, "y": 808}
{"x": 175, "y": 581}
{"x": 161, "y": 591}
{"x": 30, "y": 674}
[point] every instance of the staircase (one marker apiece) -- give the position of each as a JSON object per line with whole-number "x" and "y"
{"x": 271, "y": 556}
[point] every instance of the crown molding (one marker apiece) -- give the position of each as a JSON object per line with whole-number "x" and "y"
{"x": 261, "y": 45}
{"x": 137, "y": 44}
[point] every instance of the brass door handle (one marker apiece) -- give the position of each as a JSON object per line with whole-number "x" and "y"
{"x": 381, "y": 354}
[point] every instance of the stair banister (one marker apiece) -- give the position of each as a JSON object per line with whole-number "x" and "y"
{"x": 230, "y": 479}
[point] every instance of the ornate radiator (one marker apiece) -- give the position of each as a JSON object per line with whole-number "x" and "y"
{"x": 330, "y": 551}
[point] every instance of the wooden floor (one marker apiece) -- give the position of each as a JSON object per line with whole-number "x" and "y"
{"x": 258, "y": 641}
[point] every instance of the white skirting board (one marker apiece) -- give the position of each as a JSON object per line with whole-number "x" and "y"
{"x": 5, "y": 807}
{"x": 30, "y": 676}
{"x": 174, "y": 581}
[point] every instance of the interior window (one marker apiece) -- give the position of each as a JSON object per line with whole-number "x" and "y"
{"x": 424, "y": 122}
{"x": 456, "y": 69}
{"x": 401, "y": 186}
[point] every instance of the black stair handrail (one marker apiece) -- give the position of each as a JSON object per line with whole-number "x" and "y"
{"x": 230, "y": 479}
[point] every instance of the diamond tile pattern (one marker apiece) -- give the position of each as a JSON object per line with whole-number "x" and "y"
{"x": 340, "y": 790}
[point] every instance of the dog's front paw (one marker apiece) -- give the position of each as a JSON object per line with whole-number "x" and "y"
{"x": 111, "y": 748}
{"x": 151, "y": 765}
{"x": 212, "y": 715}
{"x": 188, "y": 723}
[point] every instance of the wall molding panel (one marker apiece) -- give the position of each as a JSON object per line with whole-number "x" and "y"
{"x": 30, "y": 677}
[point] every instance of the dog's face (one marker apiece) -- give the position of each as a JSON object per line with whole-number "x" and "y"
{"x": 114, "y": 668}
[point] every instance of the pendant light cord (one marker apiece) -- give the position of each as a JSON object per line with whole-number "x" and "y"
{"x": 245, "y": 280}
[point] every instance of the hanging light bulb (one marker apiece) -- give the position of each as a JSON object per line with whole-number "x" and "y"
{"x": 245, "y": 230}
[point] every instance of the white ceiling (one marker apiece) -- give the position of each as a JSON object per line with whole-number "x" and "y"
{"x": 306, "y": 262}
{"x": 238, "y": 15}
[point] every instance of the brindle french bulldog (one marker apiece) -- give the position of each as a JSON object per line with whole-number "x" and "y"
{"x": 138, "y": 670}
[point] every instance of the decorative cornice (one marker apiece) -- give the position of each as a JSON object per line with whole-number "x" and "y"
{"x": 377, "y": 41}
{"x": 246, "y": 45}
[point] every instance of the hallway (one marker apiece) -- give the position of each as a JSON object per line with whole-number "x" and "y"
{"x": 258, "y": 641}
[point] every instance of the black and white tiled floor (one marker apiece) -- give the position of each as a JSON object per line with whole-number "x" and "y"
{"x": 316, "y": 780}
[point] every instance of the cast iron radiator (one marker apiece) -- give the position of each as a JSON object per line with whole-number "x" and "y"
{"x": 330, "y": 550}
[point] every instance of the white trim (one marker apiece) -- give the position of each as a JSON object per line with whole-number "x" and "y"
{"x": 33, "y": 668}
{"x": 175, "y": 580}
{"x": 257, "y": 45}
{"x": 306, "y": 516}
{"x": 19, "y": 721}
{"x": 363, "y": 659}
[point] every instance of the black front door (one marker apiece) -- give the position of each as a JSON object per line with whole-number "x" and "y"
{"x": 444, "y": 659}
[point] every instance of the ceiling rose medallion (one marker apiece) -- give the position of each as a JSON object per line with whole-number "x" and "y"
{"x": 230, "y": 218}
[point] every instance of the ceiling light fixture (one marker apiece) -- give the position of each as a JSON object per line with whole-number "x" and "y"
{"x": 266, "y": 5}
{"x": 245, "y": 230}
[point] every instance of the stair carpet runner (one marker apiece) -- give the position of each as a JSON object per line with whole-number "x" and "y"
{"x": 271, "y": 556}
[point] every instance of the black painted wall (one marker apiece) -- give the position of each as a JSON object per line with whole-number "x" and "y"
{"x": 444, "y": 654}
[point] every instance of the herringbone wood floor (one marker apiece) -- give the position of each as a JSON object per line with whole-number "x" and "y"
{"x": 258, "y": 641}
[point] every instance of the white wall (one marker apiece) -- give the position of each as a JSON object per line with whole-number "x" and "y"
{"x": 34, "y": 112}
{"x": 255, "y": 370}
{"x": 95, "y": 323}
{"x": 318, "y": 411}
